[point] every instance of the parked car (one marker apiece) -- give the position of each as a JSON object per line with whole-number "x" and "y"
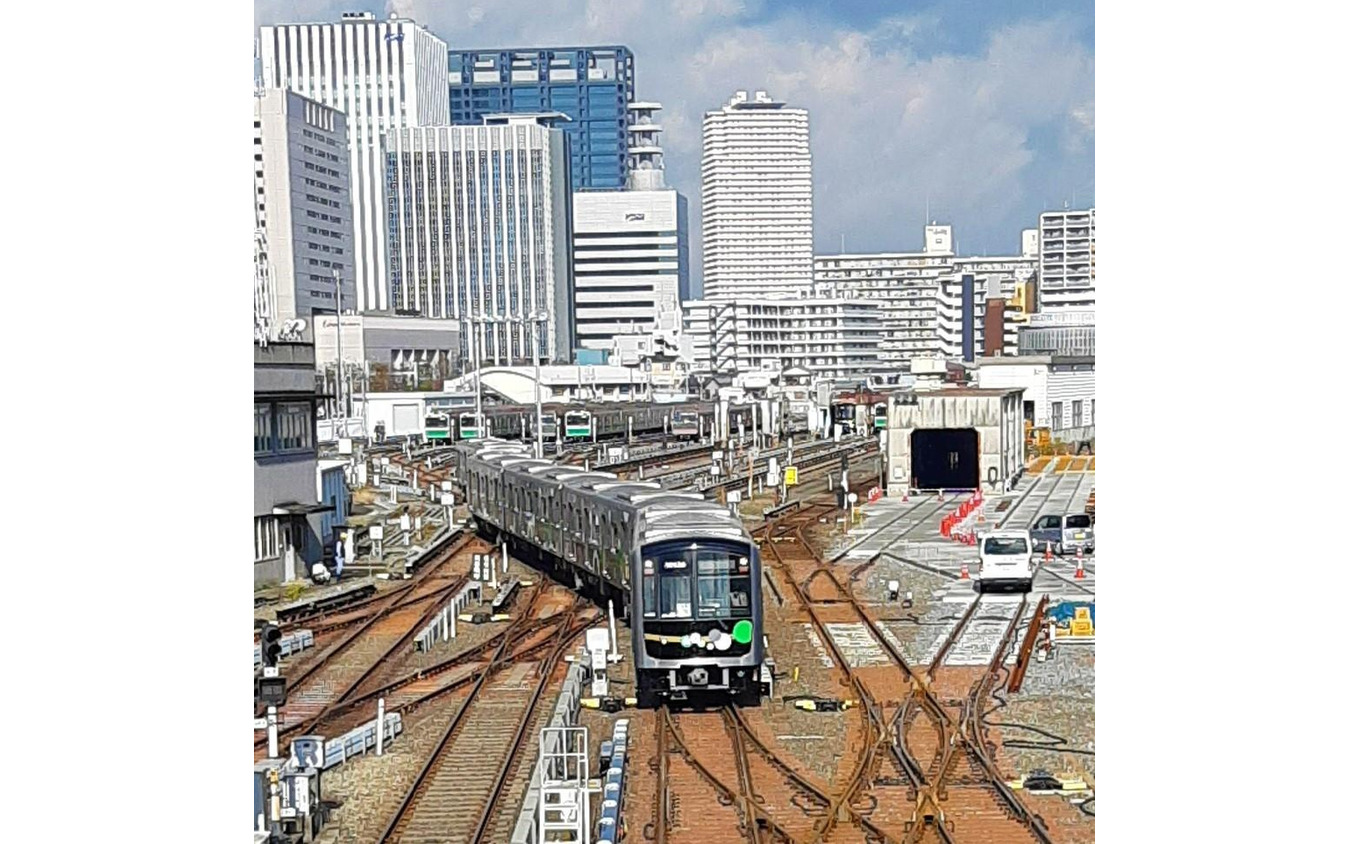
{"x": 1064, "y": 534}
{"x": 1006, "y": 560}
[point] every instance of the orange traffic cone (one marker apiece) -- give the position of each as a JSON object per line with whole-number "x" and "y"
{"x": 965, "y": 572}
{"x": 1078, "y": 555}
{"x": 1047, "y": 552}
{"x": 1078, "y": 572}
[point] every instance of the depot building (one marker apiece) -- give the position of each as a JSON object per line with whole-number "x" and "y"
{"x": 954, "y": 439}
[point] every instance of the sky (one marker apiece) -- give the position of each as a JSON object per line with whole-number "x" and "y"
{"x": 977, "y": 113}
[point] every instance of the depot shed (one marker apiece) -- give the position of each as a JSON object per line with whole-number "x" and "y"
{"x": 954, "y": 439}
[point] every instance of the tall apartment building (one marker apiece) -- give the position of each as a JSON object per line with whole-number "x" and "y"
{"x": 593, "y": 86}
{"x": 479, "y": 225}
{"x": 756, "y": 199}
{"x": 928, "y": 311}
{"x": 1068, "y": 259}
{"x": 384, "y": 76}
{"x": 835, "y": 338}
{"x": 631, "y": 247}
{"x": 302, "y": 203}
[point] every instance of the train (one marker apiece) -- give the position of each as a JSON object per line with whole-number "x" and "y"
{"x": 582, "y": 422}
{"x": 682, "y": 571}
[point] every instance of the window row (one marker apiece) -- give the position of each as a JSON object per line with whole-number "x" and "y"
{"x": 282, "y": 427}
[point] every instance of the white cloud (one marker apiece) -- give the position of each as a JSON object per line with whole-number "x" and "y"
{"x": 890, "y": 130}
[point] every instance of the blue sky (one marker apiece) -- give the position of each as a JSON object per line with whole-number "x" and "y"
{"x": 982, "y": 111}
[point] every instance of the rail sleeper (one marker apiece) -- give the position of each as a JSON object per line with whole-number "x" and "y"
{"x": 564, "y": 715}
{"x": 452, "y": 799}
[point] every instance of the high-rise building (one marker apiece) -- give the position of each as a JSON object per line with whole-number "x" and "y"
{"x": 383, "y": 75}
{"x": 756, "y": 199}
{"x": 593, "y": 86}
{"x": 835, "y": 338}
{"x": 479, "y": 226}
{"x": 302, "y": 201}
{"x": 1068, "y": 259}
{"x": 927, "y": 309}
{"x": 631, "y": 247}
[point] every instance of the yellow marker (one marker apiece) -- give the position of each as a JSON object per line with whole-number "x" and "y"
{"x": 796, "y": 671}
{"x": 808, "y": 705}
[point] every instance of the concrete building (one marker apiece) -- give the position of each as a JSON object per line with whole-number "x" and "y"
{"x": 1068, "y": 259}
{"x": 665, "y": 353}
{"x": 480, "y": 225}
{"x": 954, "y": 439}
{"x": 631, "y": 247}
{"x": 1059, "y": 332}
{"x": 286, "y": 508}
{"x": 1060, "y": 390}
{"x": 402, "y": 344}
{"x": 1031, "y": 243}
{"x": 401, "y": 414}
{"x": 593, "y": 86}
{"x": 383, "y": 75}
{"x": 757, "y": 212}
{"x": 302, "y": 202}
{"x": 928, "y": 308}
{"x": 568, "y": 384}
{"x": 834, "y": 338}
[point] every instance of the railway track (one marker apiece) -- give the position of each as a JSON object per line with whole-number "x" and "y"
{"x": 339, "y": 672}
{"x": 915, "y": 749}
{"x": 479, "y": 756}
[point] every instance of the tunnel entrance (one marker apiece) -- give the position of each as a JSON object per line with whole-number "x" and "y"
{"x": 945, "y": 458}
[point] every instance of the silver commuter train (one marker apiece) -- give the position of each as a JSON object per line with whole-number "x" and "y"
{"x": 697, "y": 617}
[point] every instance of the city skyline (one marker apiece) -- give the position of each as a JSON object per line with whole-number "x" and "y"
{"x": 983, "y": 116}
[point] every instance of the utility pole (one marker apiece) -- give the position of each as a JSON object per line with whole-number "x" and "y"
{"x": 477, "y": 375}
{"x": 537, "y": 320}
{"x": 342, "y": 410}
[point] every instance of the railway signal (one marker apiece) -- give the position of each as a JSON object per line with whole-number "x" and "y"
{"x": 272, "y": 691}
{"x": 271, "y": 645}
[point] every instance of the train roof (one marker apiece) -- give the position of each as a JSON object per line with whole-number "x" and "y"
{"x": 668, "y": 513}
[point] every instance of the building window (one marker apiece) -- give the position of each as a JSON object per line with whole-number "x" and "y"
{"x": 264, "y": 538}
{"x": 1078, "y": 414}
{"x": 294, "y": 427}
{"x": 1094, "y": 411}
{"x": 262, "y": 428}
{"x": 1057, "y": 416}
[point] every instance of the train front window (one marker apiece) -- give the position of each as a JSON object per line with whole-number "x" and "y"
{"x": 723, "y": 583}
{"x": 710, "y": 582}
{"x": 675, "y": 599}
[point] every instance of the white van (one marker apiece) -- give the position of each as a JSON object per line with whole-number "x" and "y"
{"x": 1006, "y": 559}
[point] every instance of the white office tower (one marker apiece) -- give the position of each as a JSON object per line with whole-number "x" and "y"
{"x": 384, "y": 75}
{"x": 302, "y": 202}
{"x": 756, "y": 199}
{"x": 631, "y": 247}
{"x": 1068, "y": 260}
{"x": 479, "y": 227}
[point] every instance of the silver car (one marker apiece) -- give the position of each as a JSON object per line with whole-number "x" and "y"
{"x": 1064, "y": 534}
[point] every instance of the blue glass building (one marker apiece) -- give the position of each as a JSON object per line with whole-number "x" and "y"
{"x": 591, "y": 85}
